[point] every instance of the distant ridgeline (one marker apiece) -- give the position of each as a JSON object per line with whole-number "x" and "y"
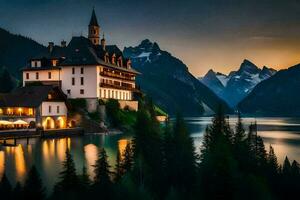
{"x": 16, "y": 50}
{"x": 235, "y": 86}
{"x": 167, "y": 80}
{"x": 279, "y": 95}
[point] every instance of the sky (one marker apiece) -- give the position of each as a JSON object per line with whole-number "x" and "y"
{"x": 204, "y": 34}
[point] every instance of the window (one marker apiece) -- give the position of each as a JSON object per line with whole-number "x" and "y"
{"x": 57, "y": 109}
{"x": 69, "y": 92}
{"x": 108, "y": 94}
{"x": 49, "y": 75}
{"x": 1, "y": 111}
{"x": 37, "y": 76}
{"x": 81, "y": 91}
{"x": 30, "y": 111}
{"x": 112, "y": 94}
{"x": 50, "y": 109}
{"x": 73, "y": 70}
{"x": 104, "y": 94}
{"x": 73, "y": 81}
{"x": 27, "y": 75}
{"x": 81, "y": 70}
{"x": 81, "y": 80}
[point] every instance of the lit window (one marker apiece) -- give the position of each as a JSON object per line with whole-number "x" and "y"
{"x": 30, "y": 111}
{"x": 1, "y": 111}
{"x": 49, "y": 96}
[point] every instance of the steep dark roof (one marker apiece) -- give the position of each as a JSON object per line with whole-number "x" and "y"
{"x": 29, "y": 96}
{"x": 57, "y": 52}
{"x": 93, "y": 21}
{"x": 81, "y": 51}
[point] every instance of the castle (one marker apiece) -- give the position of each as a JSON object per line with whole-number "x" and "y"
{"x": 86, "y": 68}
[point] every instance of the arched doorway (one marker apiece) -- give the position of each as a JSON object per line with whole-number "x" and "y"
{"x": 60, "y": 122}
{"x": 49, "y": 123}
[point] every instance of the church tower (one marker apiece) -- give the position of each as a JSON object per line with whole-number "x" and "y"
{"x": 94, "y": 30}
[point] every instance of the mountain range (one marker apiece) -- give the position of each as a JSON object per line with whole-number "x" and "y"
{"x": 167, "y": 80}
{"x": 278, "y": 95}
{"x": 164, "y": 78}
{"x": 235, "y": 86}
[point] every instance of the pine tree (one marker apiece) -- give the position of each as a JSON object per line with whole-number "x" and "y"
{"x": 239, "y": 132}
{"x": 33, "y": 187}
{"x": 295, "y": 170}
{"x": 148, "y": 155}
{"x": 272, "y": 162}
{"x": 68, "y": 185}
{"x": 85, "y": 182}
{"x": 185, "y": 163}
{"x": 118, "y": 167}
{"x": 128, "y": 159}
{"x": 5, "y": 188}
{"x": 286, "y": 168}
{"x": 102, "y": 182}
{"x": 218, "y": 165}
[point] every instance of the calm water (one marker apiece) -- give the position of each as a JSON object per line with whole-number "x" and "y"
{"x": 48, "y": 154}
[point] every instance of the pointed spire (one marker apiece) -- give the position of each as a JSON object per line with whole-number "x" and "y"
{"x": 93, "y": 21}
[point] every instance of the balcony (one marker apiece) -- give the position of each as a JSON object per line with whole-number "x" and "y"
{"x": 118, "y": 76}
{"x": 120, "y": 87}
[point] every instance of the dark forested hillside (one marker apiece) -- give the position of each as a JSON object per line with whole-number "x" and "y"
{"x": 278, "y": 95}
{"x": 15, "y": 50}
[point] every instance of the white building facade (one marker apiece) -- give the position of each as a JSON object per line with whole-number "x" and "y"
{"x": 85, "y": 69}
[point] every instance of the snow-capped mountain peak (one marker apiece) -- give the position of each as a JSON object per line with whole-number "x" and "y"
{"x": 146, "y": 51}
{"x": 238, "y": 84}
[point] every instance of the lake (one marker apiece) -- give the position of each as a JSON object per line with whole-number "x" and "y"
{"x": 47, "y": 154}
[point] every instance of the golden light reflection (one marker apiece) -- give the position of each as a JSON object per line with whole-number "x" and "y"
{"x": 122, "y": 146}
{"x": 20, "y": 162}
{"x": 61, "y": 148}
{"x": 2, "y": 163}
{"x": 52, "y": 148}
{"x": 45, "y": 151}
{"x": 69, "y": 143}
{"x": 91, "y": 155}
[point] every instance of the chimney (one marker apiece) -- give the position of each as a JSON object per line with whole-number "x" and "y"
{"x": 50, "y": 47}
{"x": 63, "y": 43}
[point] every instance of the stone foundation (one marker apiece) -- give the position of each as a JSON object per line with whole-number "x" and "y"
{"x": 131, "y": 105}
{"x": 92, "y": 104}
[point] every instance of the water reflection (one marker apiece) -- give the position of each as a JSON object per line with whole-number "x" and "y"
{"x": 91, "y": 155}
{"x": 47, "y": 154}
{"x": 19, "y": 161}
{"x": 2, "y": 162}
